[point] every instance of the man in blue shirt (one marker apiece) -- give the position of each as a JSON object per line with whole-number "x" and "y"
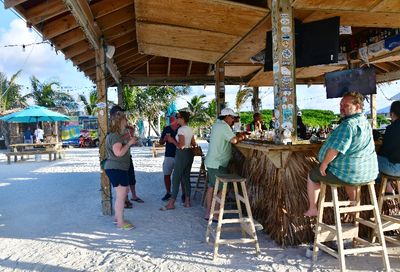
{"x": 348, "y": 155}
{"x": 170, "y": 150}
{"x": 28, "y": 136}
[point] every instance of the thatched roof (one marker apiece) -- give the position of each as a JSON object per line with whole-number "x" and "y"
{"x": 177, "y": 42}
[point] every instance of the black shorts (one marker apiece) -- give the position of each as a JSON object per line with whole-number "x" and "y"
{"x": 131, "y": 174}
{"x": 118, "y": 177}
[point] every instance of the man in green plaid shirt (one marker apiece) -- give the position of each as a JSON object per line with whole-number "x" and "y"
{"x": 348, "y": 155}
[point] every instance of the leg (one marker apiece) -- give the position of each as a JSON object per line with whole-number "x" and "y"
{"x": 209, "y": 196}
{"x": 313, "y": 192}
{"x": 121, "y": 193}
{"x": 351, "y": 192}
{"x": 176, "y": 179}
{"x": 186, "y": 176}
{"x": 167, "y": 183}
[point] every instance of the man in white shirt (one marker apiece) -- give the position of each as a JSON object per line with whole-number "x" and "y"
{"x": 39, "y": 134}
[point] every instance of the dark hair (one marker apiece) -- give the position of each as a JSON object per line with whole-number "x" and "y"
{"x": 357, "y": 98}
{"x": 257, "y": 114}
{"x": 184, "y": 115}
{"x": 395, "y": 108}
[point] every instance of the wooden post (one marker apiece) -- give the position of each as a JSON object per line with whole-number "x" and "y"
{"x": 256, "y": 102}
{"x": 120, "y": 89}
{"x": 373, "y": 111}
{"x": 284, "y": 64}
{"x": 220, "y": 86}
{"x": 106, "y": 197}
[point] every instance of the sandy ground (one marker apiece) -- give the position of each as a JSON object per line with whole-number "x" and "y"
{"x": 50, "y": 220}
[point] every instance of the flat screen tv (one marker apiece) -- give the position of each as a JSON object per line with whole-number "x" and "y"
{"x": 316, "y": 43}
{"x": 362, "y": 80}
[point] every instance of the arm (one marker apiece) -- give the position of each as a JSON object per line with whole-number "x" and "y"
{"x": 329, "y": 157}
{"x": 162, "y": 138}
{"x": 239, "y": 137}
{"x": 119, "y": 149}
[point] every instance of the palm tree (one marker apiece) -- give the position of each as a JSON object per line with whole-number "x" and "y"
{"x": 91, "y": 103}
{"x": 242, "y": 96}
{"x": 10, "y": 96}
{"x": 44, "y": 95}
{"x": 198, "y": 109}
{"x": 150, "y": 101}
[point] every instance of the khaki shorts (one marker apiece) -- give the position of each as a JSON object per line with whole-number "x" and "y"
{"x": 168, "y": 165}
{"x": 316, "y": 177}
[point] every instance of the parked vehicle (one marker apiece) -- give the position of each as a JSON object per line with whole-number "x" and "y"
{"x": 80, "y": 131}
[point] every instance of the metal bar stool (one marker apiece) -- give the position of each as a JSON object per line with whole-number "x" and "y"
{"x": 339, "y": 232}
{"x": 246, "y": 223}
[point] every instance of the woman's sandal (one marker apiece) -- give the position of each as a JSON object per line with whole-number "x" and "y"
{"x": 165, "y": 208}
{"x": 128, "y": 204}
{"x": 137, "y": 200}
{"x": 127, "y": 226}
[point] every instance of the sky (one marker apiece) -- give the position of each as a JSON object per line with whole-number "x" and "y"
{"x": 44, "y": 63}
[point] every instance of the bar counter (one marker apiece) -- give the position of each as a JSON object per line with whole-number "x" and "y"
{"x": 277, "y": 186}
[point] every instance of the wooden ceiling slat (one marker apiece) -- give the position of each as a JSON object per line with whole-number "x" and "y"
{"x": 354, "y": 5}
{"x": 119, "y": 30}
{"x": 121, "y": 41}
{"x": 12, "y": 3}
{"x": 387, "y": 6}
{"x": 128, "y": 62}
{"x": 76, "y": 49}
{"x": 359, "y": 19}
{"x": 116, "y": 18}
{"x": 81, "y": 58}
{"x": 105, "y": 7}
{"x": 177, "y": 36}
{"x": 129, "y": 57}
{"x": 59, "y": 26}
{"x": 180, "y": 53}
{"x": 137, "y": 64}
{"x": 45, "y": 11}
{"x": 86, "y": 65}
{"x": 217, "y": 16}
{"x": 69, "y": 38}
{"x": 121, "y": 51}
{"x": 131, "y": 34}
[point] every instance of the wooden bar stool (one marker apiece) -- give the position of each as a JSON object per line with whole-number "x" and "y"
{"x": 339, "y": 232}
{"x": 389, "y": 222}
{"x": 246, "y": 223}
{"x": 201, "y": 184}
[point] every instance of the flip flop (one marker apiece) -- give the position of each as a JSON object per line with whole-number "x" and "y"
{"x": 166, "y": 209}
{"x": 137, "y": 200}
{"x": 127, "y": 226}
{"x": 128, "y": 204}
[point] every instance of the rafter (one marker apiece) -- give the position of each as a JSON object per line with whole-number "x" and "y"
{"x": 45, "y": 11}
{"x": 116, "y": 18}
{"x": 82, "y": 13}
{"x": 76, "y": 49}
{"x": 103, "y": 8}
{"x": 12, "y": 3}
{"x": 67, "y": 39}
{"x": 58, "y": 27}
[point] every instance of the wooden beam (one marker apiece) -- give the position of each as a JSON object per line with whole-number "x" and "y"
{"x": 148, "y": 68}
{"x": 189, "y": 69}
{"x": 116, "y": 18}
{"x": 192, "y": 80}
{"x": 381, "y": 78}
{"x": 81, "y": 58}
{"x": 132, "y": 61}
{"x": 80, "y": 9}
{"x": 12, "y": 3}
{"x": 87, "y": 65}
{"x": 58, "y": 27}
{"x": 358, "y": 19}
{"x": 244, "y": 64}
{"x": 44, "y": 11}
{"x": 69, "y": 38}
{"x": 180, "y": 52}
{"x": 220, "y": 86}
{"x": 239, "y": 42}
{"x": 76, "y": 49}
{"x": 169, "y": 67}
{"x": 137, "y": 64}
{"x": 119, "y": 31}
{"x": 120, "y": 41}
{"x": 103, "y": 8}
{"x": 383, "y": 66}
{"x": 82, "y": 13}
{"x": 112, "y": 68}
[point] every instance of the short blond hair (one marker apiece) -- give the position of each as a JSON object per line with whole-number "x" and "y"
{"x": 116, "y": 120}
{"x": 356, "y": 98}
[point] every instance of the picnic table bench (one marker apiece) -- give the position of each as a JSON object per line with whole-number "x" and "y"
{"x": 35, "y": 149}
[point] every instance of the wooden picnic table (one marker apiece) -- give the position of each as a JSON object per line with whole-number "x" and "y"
{"x": 22, "y": 149}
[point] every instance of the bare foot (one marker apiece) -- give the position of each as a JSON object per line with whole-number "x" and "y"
{"x": 311, "y": 212}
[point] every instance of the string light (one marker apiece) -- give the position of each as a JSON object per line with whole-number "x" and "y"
{"x": 24, "y": 46}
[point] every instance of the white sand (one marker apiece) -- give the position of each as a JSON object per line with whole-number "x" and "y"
{"x": 50, "y": 220}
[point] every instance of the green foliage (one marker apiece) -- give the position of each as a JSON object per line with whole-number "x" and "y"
{"x": 382, "y": 120}
{"x": 10, "y": 96}
{"x": 91, "y": 104}
{"x": 311, "y": 118}
{"x": 242, "y": 96}
{"x": 44, "y": 95}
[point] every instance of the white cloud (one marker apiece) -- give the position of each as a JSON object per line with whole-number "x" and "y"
{"x": 39, "y": 60}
